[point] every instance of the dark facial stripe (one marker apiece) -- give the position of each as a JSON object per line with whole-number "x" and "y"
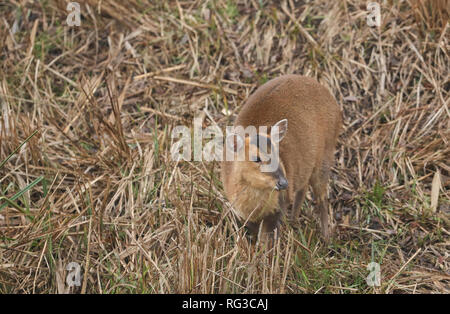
{"x": 277, "y": 173}
{"x": 256, "y": 140}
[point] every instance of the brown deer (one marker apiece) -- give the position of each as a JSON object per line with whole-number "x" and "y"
{"x": 303, "y": 153}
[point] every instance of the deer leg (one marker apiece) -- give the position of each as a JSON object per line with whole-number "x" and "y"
{"x": 319, "y": 182}
{"x": 298, "y": 202}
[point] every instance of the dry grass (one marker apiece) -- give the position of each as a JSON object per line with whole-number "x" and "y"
{"x": 98, "y": 186}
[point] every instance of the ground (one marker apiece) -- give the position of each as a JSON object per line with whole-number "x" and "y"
{"x": 87, "y": 177}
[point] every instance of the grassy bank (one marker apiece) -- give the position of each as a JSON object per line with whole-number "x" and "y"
{"x": 96, "y": 184}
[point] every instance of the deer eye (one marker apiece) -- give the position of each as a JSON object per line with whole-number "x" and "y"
{"x": 258, "y": 159}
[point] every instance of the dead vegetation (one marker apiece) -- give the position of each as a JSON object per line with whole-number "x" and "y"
{"x": 96, "y": 184}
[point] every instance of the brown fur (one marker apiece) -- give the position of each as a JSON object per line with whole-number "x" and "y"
{"x": 306, "y": 152}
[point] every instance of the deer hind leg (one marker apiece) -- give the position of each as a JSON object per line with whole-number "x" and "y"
{"x": 319, "y": 183}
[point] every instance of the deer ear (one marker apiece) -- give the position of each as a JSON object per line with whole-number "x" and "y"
{"x": 234, "y": 142}
{"x": 279, "y": 130}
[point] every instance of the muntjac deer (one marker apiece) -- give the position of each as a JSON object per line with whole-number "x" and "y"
{"x": 303, "y": 153}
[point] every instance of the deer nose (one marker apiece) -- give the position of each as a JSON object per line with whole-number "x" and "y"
{"x": 282, "y": 184}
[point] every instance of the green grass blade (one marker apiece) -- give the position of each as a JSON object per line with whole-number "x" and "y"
{"x": 20, "y": 193}
{"x": 18, "y": 147}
